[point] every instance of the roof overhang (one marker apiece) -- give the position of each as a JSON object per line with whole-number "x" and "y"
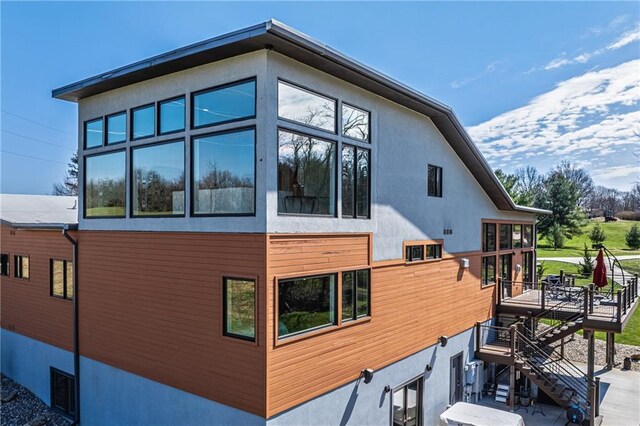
{"x": 280, "y": 38}
{"x": 41, "y": 226}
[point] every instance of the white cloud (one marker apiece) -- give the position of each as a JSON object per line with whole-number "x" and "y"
{"x": 626, "y": 38}
{"x": 617, "y": 171}
{"x": 489, "y": 69}
{"x": 557, "y": 63}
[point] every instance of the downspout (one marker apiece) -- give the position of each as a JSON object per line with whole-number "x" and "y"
{"x": 76, "y": 347}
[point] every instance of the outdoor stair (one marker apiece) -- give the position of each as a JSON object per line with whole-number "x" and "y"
{"x": 502, "y": 393}
{"x": 559, "y": 332}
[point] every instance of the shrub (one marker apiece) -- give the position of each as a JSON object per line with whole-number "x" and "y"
{"x": 633, "y": 237}
{"x": 597, "y": 235}
{"x": 556, "y": 236}
{"x": 628, "y": 215}
{"x": 586, "y": 266}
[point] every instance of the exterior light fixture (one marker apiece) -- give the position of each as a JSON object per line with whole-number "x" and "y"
{"x": 443, "y": 341}
{"x": 518, "y": 268}
{"x": 367, "y": 373}
{"x": 464, "y": 263}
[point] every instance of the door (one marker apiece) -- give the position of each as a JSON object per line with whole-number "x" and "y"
{"x": 455, "y": 388}
{"x": 407, "y": 404}
{"x": 505, "y": 274}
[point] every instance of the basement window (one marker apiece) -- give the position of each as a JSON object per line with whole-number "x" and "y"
{"x": 21, "y": 266}
{"x": 62, "y": 392}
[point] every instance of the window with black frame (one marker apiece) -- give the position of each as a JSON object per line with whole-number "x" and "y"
{"x": 4, "y": 264}
{"x": 306, "y": 304}
{"x": 222, "y": 104}
{"x": 434, "y": 251}
{"x": 488, "y": 273}
{"x": 239, "y": 307}
{"x": 355, "y": 182}
{"x": 434, "y": 181}
{"x": 355, "y": 123}
{"x": 62, "y": 392}
{"x": 116, "y": 128}
{"x": 516, "y": 238}
{"x": 93, "y": 133}
{"x": 505, "y": 236}
{"x": 306, "y": 175}
{"x": 61, "y": 278}
{"x": 488, "y": 237}
{"x": 527, "y": 266}
{"x": 527, "y": 236}
{"x": 414, "y": 253}
{"x": 105, "y": 185}
{"x": 306, "y": 107}
{"x": 143, "y": 122}
{"x": 355, "y": 294}
{"x": 21, "y": 266}
{"x": 171, "y": 113}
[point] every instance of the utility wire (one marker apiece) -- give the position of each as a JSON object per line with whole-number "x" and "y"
{"x": 35, "y": 122}
{"x": 29, "y": 156}
{"x": 37, "y": 140}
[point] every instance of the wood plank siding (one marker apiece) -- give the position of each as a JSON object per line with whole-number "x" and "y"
{"x": 412, "y": 305}
{"x": 27, "y": 307}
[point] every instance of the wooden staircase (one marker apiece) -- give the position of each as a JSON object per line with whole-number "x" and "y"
{"x": 560, "y": 331}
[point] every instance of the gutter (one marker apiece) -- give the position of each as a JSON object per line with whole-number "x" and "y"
{"x": 76, "y": 342}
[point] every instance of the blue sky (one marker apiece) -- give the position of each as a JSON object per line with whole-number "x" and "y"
{"x": 534, "y": 83}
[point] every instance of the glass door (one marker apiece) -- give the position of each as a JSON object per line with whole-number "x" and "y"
{"x": 407, "y": 406}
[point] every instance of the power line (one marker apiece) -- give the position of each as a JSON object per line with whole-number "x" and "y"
{"x": 35, "y": 122}
{"x": 35, "y": 158}
{"x": 37, "y": 140}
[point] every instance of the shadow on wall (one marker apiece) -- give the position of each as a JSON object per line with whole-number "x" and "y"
{"x": 351, "y": 404}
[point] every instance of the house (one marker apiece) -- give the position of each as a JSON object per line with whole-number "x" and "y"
{"x": 270, "y": 232}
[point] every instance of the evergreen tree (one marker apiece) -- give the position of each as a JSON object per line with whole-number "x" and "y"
{"x": 597, "y": 235}
{"x": 69, "y": 186}
{"x": 586, "y": 266}
{"x": 633, "y": 237}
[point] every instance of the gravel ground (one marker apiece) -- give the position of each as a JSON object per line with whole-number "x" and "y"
{"x": 576, "y": 350}
{"x": 26, "y": 408}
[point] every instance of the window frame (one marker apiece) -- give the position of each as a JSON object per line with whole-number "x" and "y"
{"x": 351, "y": 138}
{"x": 84, "y": 183}
{"x": 485, "y": 240}
{"x": 409, "y": 253}
{"x": 354, "y": 304}
{"x": 419, "y": 401}
{"x": 438, "y": 251}
{"x": 225, "y": 333}
{"x": 132, "y": 111}
{"x": 486, "y": 284}
{"x": 105, "y": 128}
{"x": 70, "y": 390}
{"x": 158, "y": 117}
{"x": 336, "y": 125}
{"x": 220, "y": 87}
{"x": 355, "y": 182}
{"x": 102, "y": 138}
{"x": 21, "y": 269}
{"x": 509, "y": 234}
{"x": 438, "y": 180}
{"x": 65, "y": 263}
{"x": 192, "y": 170}
{"x": 531, "y": 233}
{"x": 8, "y": 265}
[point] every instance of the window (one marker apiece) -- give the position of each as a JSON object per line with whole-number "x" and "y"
{"x": 355, "y": 182}
{"x": 435, "y": 181}
{"x": 116, "y": 128}
{"x": 104, "y": 185}
{"x": 4, "y": 264}
{"x": 306, "y": 175}
{"x": 158, "y": 180}
{"x": 527, "y": 266}
{"x": 407, "y": 404}
{"x": 355, "y": 123}
{"x": 306, "y": 304}
{"x": 488, "y": 237}
{"x": 414, "y": 253}
{"x": 306, "y": 107}
{"x": 517, "y": 236}
{"x": 171, "y": 115}
{"x": 61, "y": 277}
{"x": 62, "y": 392}
{"x": 143, "y": 122}
{"x": 239, "y": 308}
{"x": 505, "y": 237}
{"x": 506, "y": 267}
{"x": 93, "y": 133}
{"x": 224, "y": 173}
{"x": 488, "y": 273}
{"x": 355, "y": 294}
{"x": 527, "y": 236}
{"x": 434, "y": 251}
{"x": 21, "y": 266}
{"x": 232, "y": 102}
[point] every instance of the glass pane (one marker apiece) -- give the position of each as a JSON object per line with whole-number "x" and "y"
{"x": 69, "y": 282}
{"x": 25, "y": 267}
{"x": 363, "y": 293}
{"x": 505, "y": 267}
{"x": 240, "y": 304}
{"x": 306, "y": 107}
{"x": 5, "y": 264}
{"x": 158, "y": 180}
{"x": 104, "y": 183}
{"x": 488, "y": 270}
{"x": 363, "y": 184}
{"x": 306, "y": 175}
{"x": 60, "y": 397}
{"x": 527, "y": 237}
{"x": 93, "y": 133}
{"x": 305, "y": 304}
{"x": 224, "y": 104}
{"x": 505, "y": 237}
{"x": 57, "y": 278}
{"x": 223, "y": 172}
{"x": 434, "y": 251}
{"x": 398, "y": 407}
{"x": 415, "y": 253}
{"x": 116, "y": 128}
{"x": 172, "y": 115}
{"x": 144, "y": 122}
{"x": 489, "y": 237}
{"x": 517, "y": 236}
{"x": 348, "y": 280}
{"x": 355, "y": 123}
{"x": 412, "y": 403}
{"x": 431, "y": 191}
{"x": 348, "y": 181}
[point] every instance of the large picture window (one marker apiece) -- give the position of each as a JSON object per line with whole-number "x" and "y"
{"x": 171, "y": 115}
{"x": 488, "y": 272}
{"x": 61, "y": 278}
{"x": 224, "y": 173}
{"x": 434, "y": 181}
{"x": 306, "y": 304}
{"x": 223, "y": 104}
{"x": 355, "y": 294}
{"x": 158, "y": 180}
{"x": 104, "y": 185}
{"x": 239, "y": 307}
{"x": 306, "y": 175}
{"x": 306, "y": 107}
{"x": 505, "y": 236}
{"x": 355, "y": 123}
{"x": 93, "y": 133}
{"x": 355, "y": 182}
{"x": 62, "y": 392}
{"x": 488, "y": 237}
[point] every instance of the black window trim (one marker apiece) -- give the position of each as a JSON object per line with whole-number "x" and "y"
{"x": 158, "y": 114}
{"x": 16, "y": 269}
{"x": 337, "y": 131}
{"x": 355, "y": 316}
{"x": 408, "y": 257}
{"x": 84, "y": 133}
{"x": 105, "y": 128}
{"x": 64, "y": 278}
{"x": 351, "y": 138}
{"x": 419, "y": 403}
{"x": 220, "y": 87}
{"x": 485, "y": 226}
{"x": 439, "y": 179}
{"x": 255, "y": 308}
{"x": 355, "y": 183}
{"x": 131, "y": 171}
{"x": 84, "y": 183}
{"x": 8, "y": 274}
{"x": 191, "y": 172}
{"x": 131, "y": 127}
{"x": 438, "y": 251}
{"x": 484, "y": 284}
{"x": 509, "y": 233}
{"x": 71, "y": 378}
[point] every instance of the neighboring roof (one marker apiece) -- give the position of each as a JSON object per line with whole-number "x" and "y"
{"x": 38, "y": 211}
{"x": 296, "y": 45}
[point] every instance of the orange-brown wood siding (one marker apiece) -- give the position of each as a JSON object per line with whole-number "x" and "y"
{"x": 151, "y": 304}
{"x": 27, "y": 307}
{"x": 411, "y": 306}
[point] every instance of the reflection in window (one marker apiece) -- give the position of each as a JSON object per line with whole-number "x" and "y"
{"x": 104, "y": 185}
{"x": 143, "y": 121}
{"x": 172, "y": 115}
{"x": 21, "y": 266}
{"x": 527, "y": 266}
{"x": 306, "y": 175}
{"x": 305, "y": 304}
{"x": 488, "y": 237}
{"x": 414, "y": 253}
{"x": 434, "y": 251}
{"x": 158, "y": 180}
{"x": 434, "y": 185}
{"x": 223, "y": 104}
{"x": 355, "y": 182}
{"x": 93, "y": 133}
{"x": 355, "y": 294}
{"x": 527, "y": 236}
{"x": 117, "y": 128}
{"x": 305, "y": 107}
{"x": 61, "y": 279}
{"x": 223, "y": 173}
{"x": 517, "y": 236}
{"x": 355, "y": 123}
{"x": 505, "y": 236}
{"x": 488, "y": 270}
{"x": 239, "y": 308}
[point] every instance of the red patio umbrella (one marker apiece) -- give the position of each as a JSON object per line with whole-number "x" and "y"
{"x": 600, "y": 272}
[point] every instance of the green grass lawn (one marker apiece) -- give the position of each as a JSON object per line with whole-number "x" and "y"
{"x": 574, "y": 247}
{"x": 632, "y": 266}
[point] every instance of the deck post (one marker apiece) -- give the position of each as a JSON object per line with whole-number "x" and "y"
{"x": 562, "y": 348}
{"x": 610, "y": 350}
{"x": 619, "y": 305}
{"x": 499, "y": 291}
{"x": 478, "y": 331}
{"x": 562, "y": 277}
{"x": 543, "y": 301}
{"x": 590, "y": 370}
{"x": 597, "y": 397}
{"x": 586, "y": 302}
{"x": 592, "y": 289}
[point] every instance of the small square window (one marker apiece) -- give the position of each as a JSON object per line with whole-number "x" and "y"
{"x": 414, "y": 253}
{"x": 434, "y": 251}
{"x": 434, "y": 184}
{"x": 355, "y": 123}
{"x": 62, "y": 392}
{"x": 116, "y": 128}
{"x": 143, "y": 122}
{"x": 171, "y": 115}
{"x": 93, "y": 133}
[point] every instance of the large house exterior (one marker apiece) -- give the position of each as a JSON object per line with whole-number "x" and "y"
{"x": 268, "y": 232}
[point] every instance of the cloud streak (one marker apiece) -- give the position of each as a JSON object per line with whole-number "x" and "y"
{"x": 489, "y": 69}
